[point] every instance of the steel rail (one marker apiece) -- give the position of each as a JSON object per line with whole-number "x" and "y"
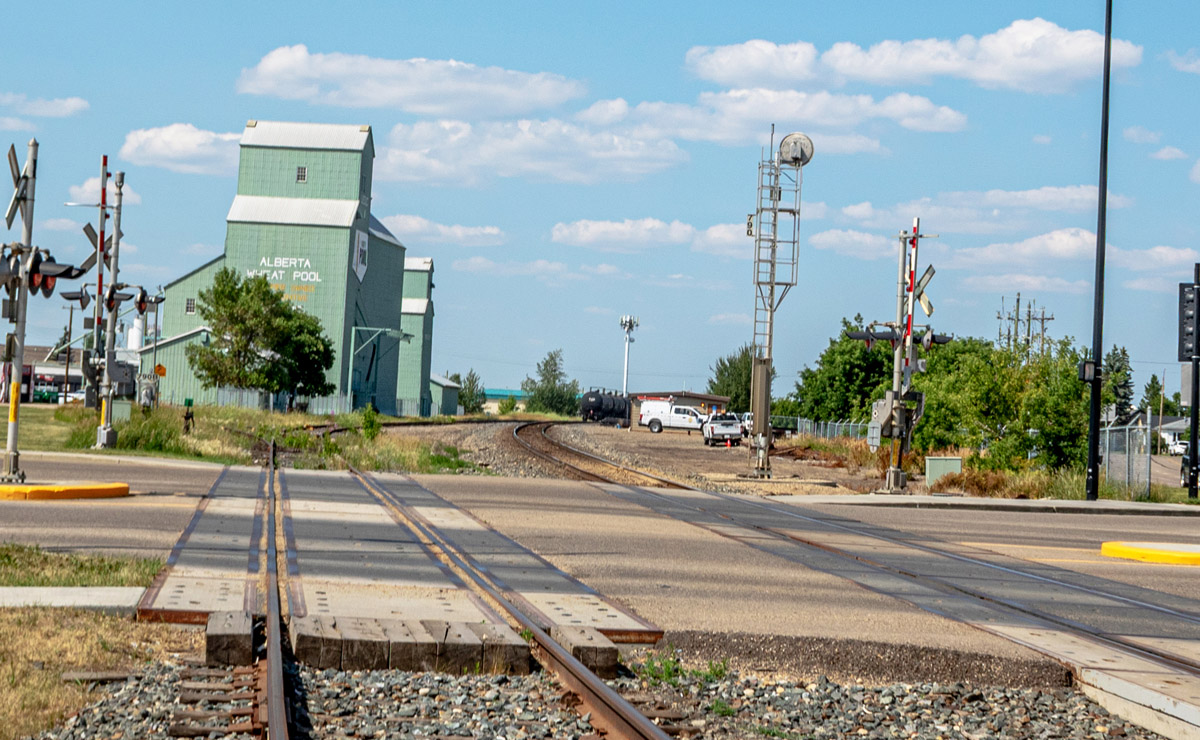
{"x": 1178, "y": 662}
{"x": 277, "y": 715}
{"x": 901, "y": 542}
{"x": 610, "y": 711}
{"x": 545, "y": 426}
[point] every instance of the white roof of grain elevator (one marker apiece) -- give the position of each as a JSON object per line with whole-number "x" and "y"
{"x": 306, "y": 135}
{"x": 424, "y": 264}
{"x": 269, "y": 209}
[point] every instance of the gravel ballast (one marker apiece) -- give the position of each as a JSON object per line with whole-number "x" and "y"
{"x": 698, "y": 704}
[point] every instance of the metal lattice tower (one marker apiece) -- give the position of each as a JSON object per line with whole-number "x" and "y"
{"x": 775, "y": 226}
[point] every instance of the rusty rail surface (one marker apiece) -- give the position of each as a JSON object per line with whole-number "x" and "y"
{"x": 541, "y": 427}
{"x": 610, "y": 711}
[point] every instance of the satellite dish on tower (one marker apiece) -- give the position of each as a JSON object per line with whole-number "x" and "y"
{"x": 796, "y": 150}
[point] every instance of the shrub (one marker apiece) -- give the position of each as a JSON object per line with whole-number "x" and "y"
{"x": 370, "y": 422}
{"x": 507, "y": 406}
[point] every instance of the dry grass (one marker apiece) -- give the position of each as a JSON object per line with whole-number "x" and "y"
{"x": 38, "y": 645}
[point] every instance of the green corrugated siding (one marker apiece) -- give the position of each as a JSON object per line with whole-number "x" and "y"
{"x": 175, "y": 318}
{"x": 412, "y": 381}
{"x": 306, "y": 263}
{"x": 179, "y": 383}
{"x": 272, "y": 171}
{"x": 417, "y": 284}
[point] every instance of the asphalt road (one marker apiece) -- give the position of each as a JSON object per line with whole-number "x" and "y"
{"x": 163, "y": 495}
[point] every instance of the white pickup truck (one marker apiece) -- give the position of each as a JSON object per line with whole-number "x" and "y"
{"x": 720, "y": 428}
{"x": 659, "y": 415}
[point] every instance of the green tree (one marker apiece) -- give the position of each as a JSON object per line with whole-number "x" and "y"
{"x": 847, "y": 377}
{"x": 259, "y": 340}
{"x": 470, "y": 391}
{"x": 1118, "y": 383}
{"x": 1152, "y": 393}
{"x": 731, "y": 377}
{"x": 551, "y": 392}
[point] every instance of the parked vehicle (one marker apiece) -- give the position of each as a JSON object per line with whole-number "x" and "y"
{"x": 720, "y": 428}
{"x": 747, "y": 423}
{"x": 604, "y": 407}
{"x": 1178, "y": 447}
{"x": 659, "y": 415}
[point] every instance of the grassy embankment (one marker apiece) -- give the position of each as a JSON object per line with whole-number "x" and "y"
{"x": 1032, "y": 483}
{"x": 233, "y": 435}
{"x": 38, "y": 645}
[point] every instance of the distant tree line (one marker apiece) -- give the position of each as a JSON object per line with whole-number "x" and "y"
{"x": 1022, "y": 407}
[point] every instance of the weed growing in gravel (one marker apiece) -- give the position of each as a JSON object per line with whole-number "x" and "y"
{"x": 665, "y": 667}
{"x": 721, "y": 709}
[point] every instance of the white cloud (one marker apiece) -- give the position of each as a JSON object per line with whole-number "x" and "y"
{"x": 60, "y": 224}
{"x": 544, "y": 270}
{"x": 724, "y": 240}
{"x": 181, "y": 147}
{"x": 8, "y": 123}
{"x": 743, "y": 115}
{"x": 1030, "y": 283}
{"x": 56, "y": 108}
{"x": 1032, "y": 55}
{"x": 1168, "y": 153}
{"x": 628, "y": 236}
{"x": 1194, "y": 175}
{"x": 423, "y": 230}
{"x": 604, "y": 112}
{"x": 858, "y": 244}
{"x": 730, "y": 319}
{"x": 553, "y": 150}
{"x": 1041, "y": 139}
{"x": 1048, "y": 198}
{"x": 431, "y": 87}
{"x": 1153, "y": 284}
{"x": 981, "y": 212}
{"x": 1061, "y": 244}
{"x": 1160, "y": 258}
{"x": 1141, "y": 135}
{"x": 605, "y": 270}
{"x": 755, "y": 62}
{"x": 89, "y": 192}
{"x": 1189, "y": 61}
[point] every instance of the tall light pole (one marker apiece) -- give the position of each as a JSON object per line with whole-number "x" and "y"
{"x": 1092, "y": 483}
{"x": 628, "y": 323}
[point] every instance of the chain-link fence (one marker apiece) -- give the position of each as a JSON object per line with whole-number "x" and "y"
{"x": 1125, "y": 455}
{"x": 825, "y": 429}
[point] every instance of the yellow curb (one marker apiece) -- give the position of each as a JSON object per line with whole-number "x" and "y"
{"x": 50, "y": 491}
{"x": 1153, "y": 552}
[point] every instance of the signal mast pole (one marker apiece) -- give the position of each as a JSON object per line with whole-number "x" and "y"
{"x": 775, "y": 226}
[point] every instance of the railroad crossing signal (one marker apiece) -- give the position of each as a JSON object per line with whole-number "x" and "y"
{"x": 1187, "y": 321}
{"x": 895, "y": 416}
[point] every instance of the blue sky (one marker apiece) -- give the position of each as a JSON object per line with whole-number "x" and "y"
{"x": 564, "y": 164}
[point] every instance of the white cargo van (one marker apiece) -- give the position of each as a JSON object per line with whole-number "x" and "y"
{"x": 659, "y": 415}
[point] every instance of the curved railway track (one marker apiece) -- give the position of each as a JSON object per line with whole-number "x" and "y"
{"x": 581, "y": 465}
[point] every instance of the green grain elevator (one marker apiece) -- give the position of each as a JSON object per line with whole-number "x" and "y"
{"x": 302, "y": 218}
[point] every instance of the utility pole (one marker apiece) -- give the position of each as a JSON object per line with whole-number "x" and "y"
{"x": 775, "y": 226}
{"x": 24, "y": 182}
{"x": 628, "y": 323}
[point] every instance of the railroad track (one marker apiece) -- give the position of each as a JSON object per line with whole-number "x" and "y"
{"x": 582, "y": 465}
{"x": 254, "y": 697}
{"x": 1034, "y": 605}
{"x": 253, "y": 700}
